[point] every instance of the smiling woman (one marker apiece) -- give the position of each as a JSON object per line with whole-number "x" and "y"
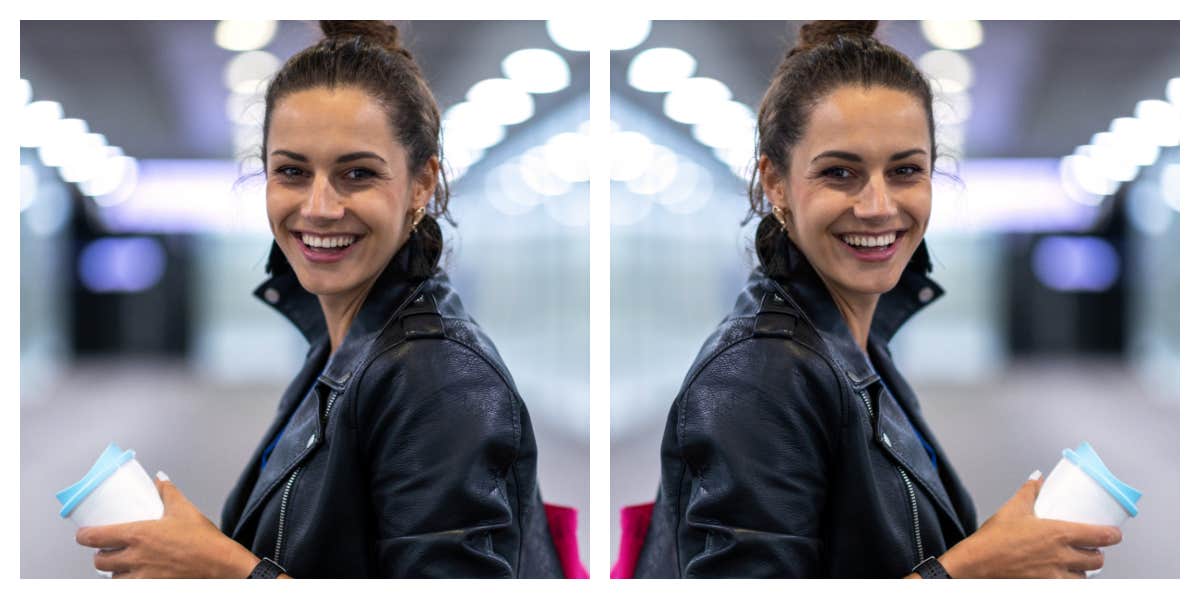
{"x": 402, "y": 448}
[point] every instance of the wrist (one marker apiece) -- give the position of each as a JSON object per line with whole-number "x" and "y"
{"x": 958, "y": 562}
{"x": 238, "y": 562}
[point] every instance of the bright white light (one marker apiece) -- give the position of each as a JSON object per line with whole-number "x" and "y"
{"x": 1113, "y": 157}
{"x": 24, "y": 92}
{"x": 29, "y": 185}
{"x": 1169, "y": 184}
{"x": 1137, "y": 140}
{"x": 727, "y": 124}
{"x": 627, "y": 33}
{"x": 571, "y": 209}
{"x": 630, "y": 155}
{"x": 471, "y": 124}
{"x": 458, "y": 159}
{"x": 738, "y": 159}
{"x": 660, "y": 69}
{"x": 249, "y": 69}
{"x": 952, "y": 109}
{"x": 503, "y": 99}
{"x": 506, "y": 193}
{"x": 1173, "y": 91}
{"x": 952, "y": 138}
{"x": 245, "y": 109}
{"x": 1162, "y": 120}
{"x": 534, "y": 167}
{"x": 536, "y": 70}
{"x": 115, "y": 184}
{"x": 566, "y": 154}
{"x": 1081, "y": 172}
{"x": 85, "y": 158}
{"x": 60, "y": 141}
{"x": 50, "y": 213}
{"x": 953, "y": 35}
{"x": 627, "y": 209}
{"x": 572, "y": 34}
{"x": 951, "y": 69}
{"x": 659, "y": 174}
{"x": 1146, "y": 210}
{"x": 693, "y": 99}
{"x": 36, "y": 120}
{"x": 691, "y": 190}
{"x": 241, "y": 36}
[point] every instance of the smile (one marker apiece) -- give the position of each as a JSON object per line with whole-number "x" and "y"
{"x": 325, "y": 248}
{"x": 871, "y": 247}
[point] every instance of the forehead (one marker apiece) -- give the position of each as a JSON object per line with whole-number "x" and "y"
{"x": 860, "y": 119}
{"x": 342, "y": 116}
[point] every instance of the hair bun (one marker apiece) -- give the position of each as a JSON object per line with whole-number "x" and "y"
{"x": 380, "y": 33}
{"x": 815, "y": 33}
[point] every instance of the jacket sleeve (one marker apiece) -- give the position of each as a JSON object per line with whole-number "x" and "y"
{"x": 755, "y": 432}
{"x": 438, "y": 429}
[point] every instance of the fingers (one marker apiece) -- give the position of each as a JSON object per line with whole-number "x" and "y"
{"x": 112, "y": 561}
{"x": 1084, "y": 559}
{"x": 101, "y": 537}
{"x": 1091, "y": 535}
{"x": 1025, "y": 496}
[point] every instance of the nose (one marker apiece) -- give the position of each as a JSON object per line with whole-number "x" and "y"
{"x": 875, "y": 201}
{"x": 323, "y": 203}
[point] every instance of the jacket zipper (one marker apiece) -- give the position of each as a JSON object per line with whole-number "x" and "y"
{"x": 908, "y": 486}
{"x": 287, "y": 488}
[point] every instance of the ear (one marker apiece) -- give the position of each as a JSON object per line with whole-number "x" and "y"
{"x": 774, "y": 183}
{"x": 425, "y": 182}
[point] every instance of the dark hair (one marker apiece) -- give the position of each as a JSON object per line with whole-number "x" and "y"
{"x": 368, "y": 55}
{"x": 828, "y": 55}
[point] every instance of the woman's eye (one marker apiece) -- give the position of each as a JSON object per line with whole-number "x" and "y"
{"x": 289, "y": 172}
{"x": 837, "y": 172}
{"x": 908, "y": 171}
{"x": 360, "y": 174}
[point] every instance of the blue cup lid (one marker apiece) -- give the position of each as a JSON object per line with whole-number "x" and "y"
{"x": 112, "y": 458}
{"x": 1086, "y": 458}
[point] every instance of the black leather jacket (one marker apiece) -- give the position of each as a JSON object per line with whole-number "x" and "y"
{"x": 413, "y": 455}
{"x": 785, "y": 456}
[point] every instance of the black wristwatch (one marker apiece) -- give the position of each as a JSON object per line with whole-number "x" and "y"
{"x": 931, "y": 568}
{"x": 267, "y": 568}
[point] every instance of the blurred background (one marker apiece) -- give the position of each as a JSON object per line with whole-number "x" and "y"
{"x": 1058, "y": 245}
{"x": 139, "y": 247}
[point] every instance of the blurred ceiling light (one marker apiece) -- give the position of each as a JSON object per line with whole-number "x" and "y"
{"x": 952, "y": 109}
{"x": 537, "y": 70}
{"x": 507, "y": 193}
{"x": 690, "y": 192}
{"x": 36, "y": 120}
{"x": 471, "y": 124}
{"x": 458, "y": 159}
{"x": 1076, "y": 263}
{"x": 50, "y": 213}
{"x": 727, "y": 124}
{"x": 1146, "y": 210}
{"x": 245, "y": 109}
{"x": 534, "y": 168}
{"x": 953, "y": 35}
{"x": 571, "y": 34}
{"x": 628, "y": 33}
{"x": 659, "y": 174}
{"x": 1113, "y": 156}
{"x": 241, "y": 36}
{"x": 249, "y": 69}
{"x": 121, "y": 264}
{"x": 503, "y": 99}
{"x": 567, "y": 156}
{"x": 1169, "y": 184}
{"x": 571, "y": 209}
{"x": 1173, "y": 91}
{"x": 950, "y": 69}
{"x": 631, "y": 153}
{"x": 29, "y": 185}
{"x": 628, "y": 209}
{"x": 1162, "y": 120}
{"x": 115, "y": 183}
{"x": 1136, "y": 139}
{"x": 739, "y": 159}
{"x": 24, "y": 92}
{"x": 1081, "y": 172}
{"x": 660, "y": 69}
{"x": 60, "y": 141}
{"x": 694, "y": 99}
{"x": 85, "y": 158}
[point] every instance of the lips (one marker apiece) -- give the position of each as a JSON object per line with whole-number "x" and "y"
{"x": 871, "y": 246}
{"x": 325, "y": 248}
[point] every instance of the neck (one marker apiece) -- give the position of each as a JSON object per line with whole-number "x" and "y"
{"x": 340, "y": 310}
{"x": 857, "y": 310}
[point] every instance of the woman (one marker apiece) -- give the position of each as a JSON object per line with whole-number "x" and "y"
{"x": 402, "y": 448}
{"x": 795, "y": 448}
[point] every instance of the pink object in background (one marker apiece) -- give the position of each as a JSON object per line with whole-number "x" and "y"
{"x": 564, "y": 523}
{"x": 635, "y": 520}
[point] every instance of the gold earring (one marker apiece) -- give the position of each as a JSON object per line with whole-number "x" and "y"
{"x": 418, "y": 214}
{"x": 778, "y": 212}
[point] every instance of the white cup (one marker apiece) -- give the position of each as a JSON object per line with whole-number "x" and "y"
{"x": 116, "y": 490}
{"x": 1082, "y": 489}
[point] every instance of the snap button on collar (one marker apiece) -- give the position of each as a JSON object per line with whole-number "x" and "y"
{"x": 925, "y": 294}
{"x": 271, "y": 295}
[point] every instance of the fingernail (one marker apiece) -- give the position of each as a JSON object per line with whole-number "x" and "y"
{"x": 1035, "y": 475}
{"x": 160, "y": 475}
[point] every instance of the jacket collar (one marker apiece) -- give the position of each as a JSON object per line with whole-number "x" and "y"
{"x": 393, "y": 290}
{"x": 807, "y": 292}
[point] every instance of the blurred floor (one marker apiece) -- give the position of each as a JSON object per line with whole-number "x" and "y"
{"x": 198, "y": 432}
{"x": 997, "y": 434}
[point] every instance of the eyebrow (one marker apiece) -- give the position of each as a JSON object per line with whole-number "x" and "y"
{"x": 852, "y": 157}
{"x": 340, "y": 159}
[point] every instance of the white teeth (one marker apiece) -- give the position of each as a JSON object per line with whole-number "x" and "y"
{"x": 869, "y": 240}
{"x": 335, "y": 241}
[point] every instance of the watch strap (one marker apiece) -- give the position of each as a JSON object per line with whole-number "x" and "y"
{"x": 267, "y": 568}
{"x": 931, "y": 568}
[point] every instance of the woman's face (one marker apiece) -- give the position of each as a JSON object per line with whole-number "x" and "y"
{"x": 857, "y": 194}
{"x": 340, "y": 197}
